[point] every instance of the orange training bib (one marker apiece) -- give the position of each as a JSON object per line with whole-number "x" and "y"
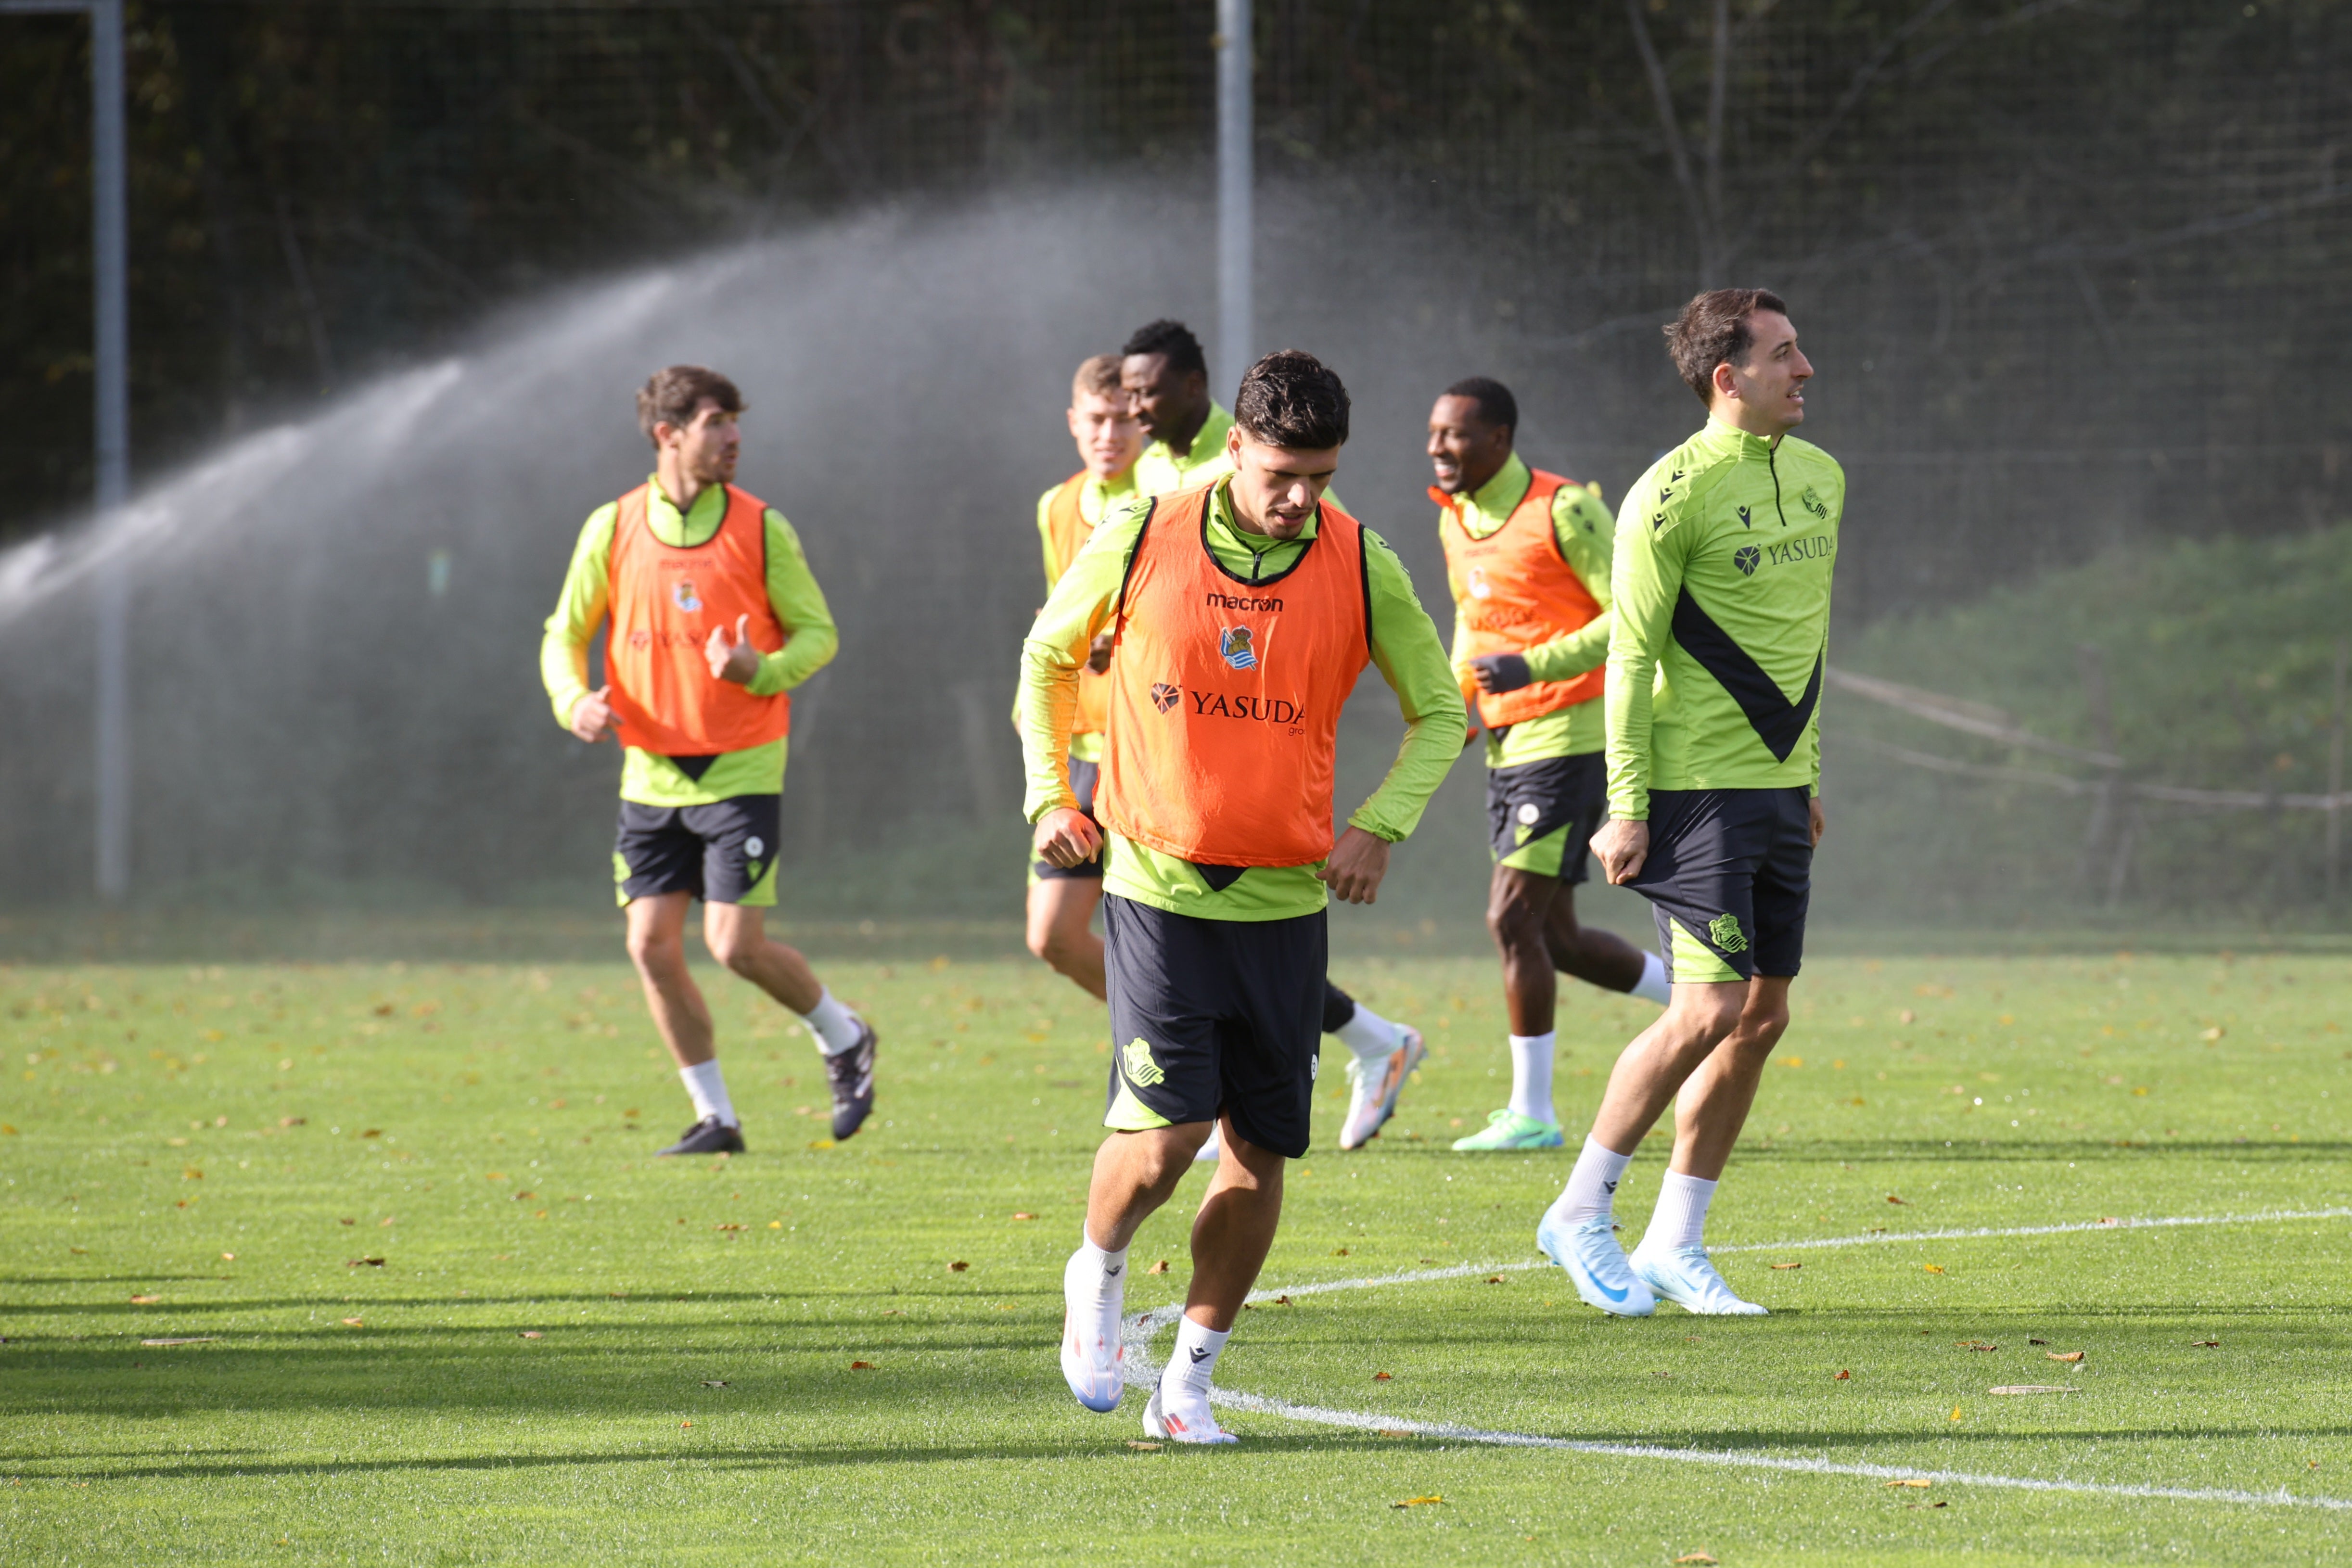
{"x": 1513, "y": 589}
{"x": 1226, "y": 695}
{"x": 665, "y": 603}
{"x": 1067, "y": 529}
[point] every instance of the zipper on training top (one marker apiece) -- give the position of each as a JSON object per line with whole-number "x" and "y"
{"x": 1771, "y": 462}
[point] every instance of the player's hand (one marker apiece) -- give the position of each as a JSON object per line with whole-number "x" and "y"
{"x": 592, "y": 717}
{"x": 1355, "y": 867}
{"x": 734, "y": 660}
{"x": 1623, "y": 845}
{"x": 1815, "y": 820}
{"x": 1498, "y": 672}
{"x": 1098, "y": 653}
{"x": 1066, "y": 838}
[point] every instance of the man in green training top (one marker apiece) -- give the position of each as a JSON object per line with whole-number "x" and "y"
{"x": 714, "y": 617}
{"x": 1722, "y": 604}
{"x": 1527, "y": 554}
{"x": 1166, "y": 377}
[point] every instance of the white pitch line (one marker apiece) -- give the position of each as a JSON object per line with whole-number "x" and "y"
{"x": 1141, "y": 1330}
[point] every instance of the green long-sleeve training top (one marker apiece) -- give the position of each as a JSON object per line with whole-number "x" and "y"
{"x": 810, "y": 640}
{"x": 1405, "y": 650}
{"x": 1721, "y": 607}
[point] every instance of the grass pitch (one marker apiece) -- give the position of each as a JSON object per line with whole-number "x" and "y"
{"x": 445, "y": 1308}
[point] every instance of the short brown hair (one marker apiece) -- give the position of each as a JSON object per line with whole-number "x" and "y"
{"x": 1292, "y": 399}
{"x": 671, "y": 396}
{"x": 1712, "y": 331}
{"x": 1098, "y": 377}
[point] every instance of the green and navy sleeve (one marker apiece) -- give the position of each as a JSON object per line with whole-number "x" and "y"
{"x": 1645, "y": 576}
{"x": 810, "y": 637}
{"x": 580, "y": 608}
{"x": 1056, "y": 650}
{"x": 1410, "y": 658}
{"x": 1583, "y": 525}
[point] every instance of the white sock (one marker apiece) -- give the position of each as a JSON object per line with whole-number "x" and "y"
{"x": 834, "y": 1026}
{"x": 1095, "y": 1275}
{"x": 1680, "y": 1218}
{"x": 1531, "y": 1074}
{"x": 1591, "y": 1190}
{"x": 1195, "y": 1360}
{"x": 1653, "y": 986}
{"x": 1372, "y": 1037}
{"x": 708, "y": 1090}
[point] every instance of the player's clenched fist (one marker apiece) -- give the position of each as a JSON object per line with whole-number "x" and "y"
{"x": 1067, "y": 838}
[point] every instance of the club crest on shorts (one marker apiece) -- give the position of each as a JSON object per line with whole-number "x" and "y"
{"x": 1724, "y": 931}
{"x": 682, "y": 595}
{"x": 1234, "y": 646}
{"x": 1141, "y": 1071}
{"x": 1164, "y": 695}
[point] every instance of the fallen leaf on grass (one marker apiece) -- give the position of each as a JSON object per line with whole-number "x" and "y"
{"x": 1843, "y": 1377}
{"x": 352, "y": 1323}
{"x": 1159, "y": 1268}
{"x": 714, "y": 1383}
{"x": 347, "y": 1222}
{"x": 2037, "y": 1342}
{"x": 1495, "y": 1280}
{"x": 1927, "y": 1505}
{"x": 362, "y": 1262}
{"x": 1955, "y": 1412}
{"x": 1788, "y": 1265}
{"x": 520, "y": 1195}
{"x": 206, "y": 1339}
{"x": 228, "y": 1257}
{"x": 1419, "y": 1501}
{"x": 2063, "y": 1355}
{"x": 682, "y": 1425}
{"x": 78, "y": 1252}
{"x": 373, "y": 1133}
{"x": 1974, "y": 1344}
{"x": 1146, "y": 1448}
{"x": 726, "y": 1228}
{"x": 957, "y": 1267}
{"x": 494, "y": 1176}
{"x": 1397, "y": 1432}
{"x": 1339, "y": 1251}
{"x": 527, "y": 1333}
{"x": 861, "y": 1367}
{"x": 1932, "y": 1268}
{"x": 1699, "y": 1557}
{"x": 819, "y": 1142}
{"x": 1383, "y": 1377}
{"x": 1025, "y": 1215}
{"x": 775, "y": 1225}
{"x": 192, "y": 1174}
{"x": 1891, "y": 1198}
{"x": 144, "y": 1301}
{"x": 1282, "y": 1301}
{"x": 2032, "y": 1388}
{"x": 1909, "y": 1481}
{"x": 2205, "y": 1343}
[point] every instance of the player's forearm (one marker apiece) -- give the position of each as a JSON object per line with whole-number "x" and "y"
{"x": 1565, "y": 658}
{"x": 807, "y": 649}
{"x": 1046, "y": 705}
{"x": 1431, "y": 744}
{"x": 1628, "y": 745}
{"x": 562, "y": 667}
{"x": 1409, "y": 656}
{"x": 810, "y": 637}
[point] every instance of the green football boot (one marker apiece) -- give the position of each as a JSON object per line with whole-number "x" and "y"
{"x": 1507, "y": 1129}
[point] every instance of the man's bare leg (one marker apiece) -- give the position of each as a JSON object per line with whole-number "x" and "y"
{"x": 1135, "y": 1173}
{"x": 1234, "y": 1230}
{"x": 1596, "y": 957}
{"x": 656, "y": 937}
{"x": 1713, "y": 1101}
{"x": 1061, "y": 914}
{"x": 737, "y": 937}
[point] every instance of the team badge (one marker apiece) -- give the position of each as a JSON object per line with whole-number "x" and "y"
{"x": 682, "y": 595}
{"x": 1746, "y": 558}
{"x": 1479, "y": 587}
{"x": 1234, "y": 647}
{"x": 1141, "y": 1071}
{"x": 1725, "y": 931}
{"x": 1164, "y": 695}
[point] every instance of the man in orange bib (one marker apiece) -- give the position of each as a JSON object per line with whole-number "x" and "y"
{"x": 1243, "y": 612}
{"x": 1527, "y": 554}
{"x": 1102, "y": 419}
{"x": 714, "y": 618}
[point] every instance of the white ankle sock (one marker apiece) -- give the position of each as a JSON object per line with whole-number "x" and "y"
{"x": 1653, "y": 986}
{"x": 708, "y": 1090}
{"x": 1372, "y": 1037}
{"x": 1194, "y": 1359}
{"x": 1098, "y": 1275}
{"x": 1531, "y": 1074}
{"x": 834, "y": 1026}
{"x": 1680, "y": 1218}
{"x": 1591, "y": 1189}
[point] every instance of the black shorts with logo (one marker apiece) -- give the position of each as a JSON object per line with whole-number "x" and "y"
{"x": 1730, "y": 874}
{"x": 1541, "y": 815}
{"x": 1083, "y": 777}
{"x": 723, "y": 853}
{"x": 1211, "y": 1016}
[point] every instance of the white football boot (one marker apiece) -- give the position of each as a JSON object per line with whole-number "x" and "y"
{"x": 1683, "y": 1276}
{"x": 1590, "y": 1252}
{"x": 1186, "y": 1418}
{"x": 1093, "y": 1358}
{"x": 1372, "y": 1097}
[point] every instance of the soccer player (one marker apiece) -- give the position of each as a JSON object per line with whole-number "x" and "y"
{"x": 1245, "y": 611}
{"x": 1722, "y": 606}
{"x": 1167, "y": 377}
{"x": 1103, "y": 422}
{"x": 714, "y": 617}
{"x": 1527, "y": 554}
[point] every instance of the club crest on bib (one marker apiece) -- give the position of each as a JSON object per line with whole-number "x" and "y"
{"x": 1234, "y": 646}
{"x": 1479, "y": 587}
{"x": 1164, "y": 695}
{"x": 682, "y": 595}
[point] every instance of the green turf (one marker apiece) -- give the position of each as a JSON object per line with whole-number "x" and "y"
{"x": 485, "y": 1131}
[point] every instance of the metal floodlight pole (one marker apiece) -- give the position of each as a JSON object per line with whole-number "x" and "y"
{"x": 1236, "y": 326}
{"x": 111, "y": 349}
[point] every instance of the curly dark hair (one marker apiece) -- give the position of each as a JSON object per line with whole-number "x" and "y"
{"x": 671, "y": 396}
{"x": 1495, "y": 404}
{"x": 1290, "y": 398}
{"x": 1172, "y": 339}
{"x": 1712, "y": 331}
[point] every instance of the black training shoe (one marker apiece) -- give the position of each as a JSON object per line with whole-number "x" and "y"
{"x": 852, "y": 1073}
{"x": 708, "y": 1137}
